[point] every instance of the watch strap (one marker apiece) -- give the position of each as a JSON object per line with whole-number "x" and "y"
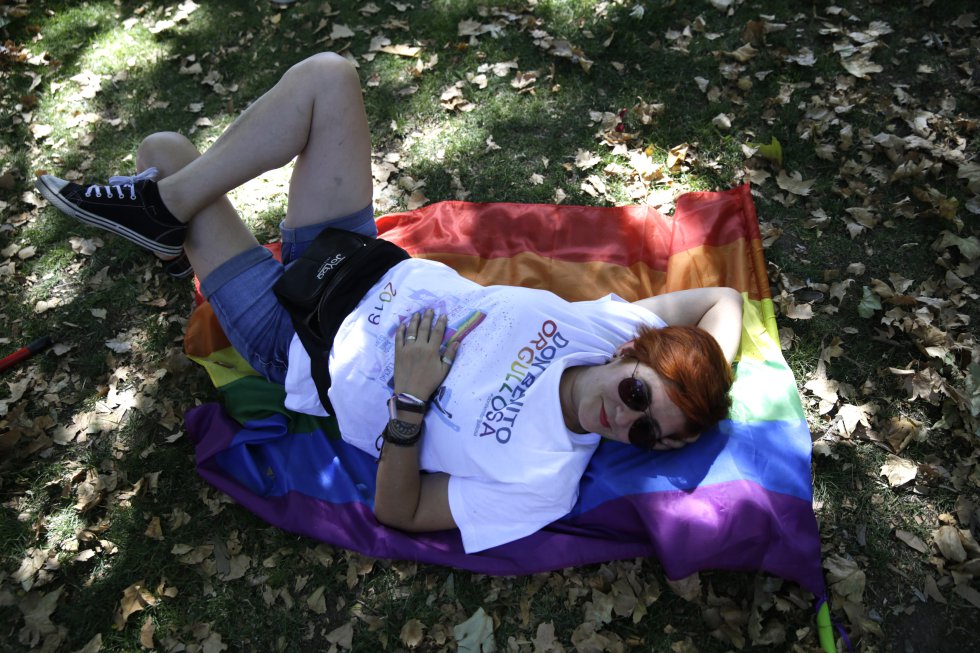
{"x": 406, "y": 402}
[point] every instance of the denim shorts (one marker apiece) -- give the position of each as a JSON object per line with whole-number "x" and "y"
{"x": 240, "y": 292}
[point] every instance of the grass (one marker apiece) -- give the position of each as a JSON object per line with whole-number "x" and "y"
{"x": 101, "y": 75}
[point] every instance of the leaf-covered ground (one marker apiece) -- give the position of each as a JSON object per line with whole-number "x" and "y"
{"x": 856, "y": 124}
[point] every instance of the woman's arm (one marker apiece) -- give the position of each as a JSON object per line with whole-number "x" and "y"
{"x": 404, "y": 498}
{"x": 716, "y": 310}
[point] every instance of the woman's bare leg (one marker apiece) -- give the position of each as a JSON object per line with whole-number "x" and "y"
{"x": 216, "y": 233}
{"x": 314, "y": 113}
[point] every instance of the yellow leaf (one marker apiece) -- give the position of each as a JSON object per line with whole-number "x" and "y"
{"x": 771, "y": 152}
{"x": 899, "y": 431}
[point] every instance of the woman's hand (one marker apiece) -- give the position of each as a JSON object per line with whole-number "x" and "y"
{"x": 419, "y": 367}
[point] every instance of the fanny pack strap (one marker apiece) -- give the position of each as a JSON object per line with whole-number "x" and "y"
{"x": 324, "y": 285}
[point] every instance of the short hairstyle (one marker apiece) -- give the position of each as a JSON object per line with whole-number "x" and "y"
{"x": 695, "y": 372}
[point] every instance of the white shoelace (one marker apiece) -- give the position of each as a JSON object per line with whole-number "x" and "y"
{"x": 118, "y": 183}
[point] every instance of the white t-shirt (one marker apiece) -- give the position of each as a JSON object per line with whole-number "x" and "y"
{"x": 495, "y": 425}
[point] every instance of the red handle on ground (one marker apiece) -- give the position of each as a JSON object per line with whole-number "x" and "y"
{"x": 24, "y": 353}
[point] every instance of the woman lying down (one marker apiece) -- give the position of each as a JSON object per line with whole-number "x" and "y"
{"x": 483, "y": 405}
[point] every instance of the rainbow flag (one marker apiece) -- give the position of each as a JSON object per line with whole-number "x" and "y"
{"x": 740, "y": 498}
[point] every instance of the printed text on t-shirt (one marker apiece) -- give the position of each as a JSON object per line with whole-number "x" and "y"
{"x": 386, "y": 295}
{"x": 532, "y": 360}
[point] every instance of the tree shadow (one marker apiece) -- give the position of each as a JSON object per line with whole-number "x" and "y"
{"x": 237, "y": 41}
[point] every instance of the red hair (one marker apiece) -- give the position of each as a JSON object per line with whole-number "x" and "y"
{"x": 695, "y": 371}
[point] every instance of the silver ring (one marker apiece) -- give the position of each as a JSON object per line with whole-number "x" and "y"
{"x": 411, "y": 337}
{"x": 447, "y": 361}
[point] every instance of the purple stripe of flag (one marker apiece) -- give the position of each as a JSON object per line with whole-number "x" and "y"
{"x": 736, "y": 525}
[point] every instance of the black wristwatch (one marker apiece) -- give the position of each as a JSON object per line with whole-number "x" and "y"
{"x": 406, "y": 402}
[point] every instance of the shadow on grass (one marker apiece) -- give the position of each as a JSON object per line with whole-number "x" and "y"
{"x": 233, "y": 38}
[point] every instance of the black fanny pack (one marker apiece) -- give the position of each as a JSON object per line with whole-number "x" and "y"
{"x": 321, "y": 288}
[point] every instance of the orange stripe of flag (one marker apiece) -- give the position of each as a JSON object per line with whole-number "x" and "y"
{"x": 696, "y": 267}
{"x": 618, "y": 235}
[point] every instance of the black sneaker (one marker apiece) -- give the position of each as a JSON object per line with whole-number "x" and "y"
{"x": 178, "y": 268}
{"x": 128, "y": 206}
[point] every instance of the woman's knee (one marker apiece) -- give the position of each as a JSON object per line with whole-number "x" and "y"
{"x": 166, "y": 151}
{"x": 326, "y": 67}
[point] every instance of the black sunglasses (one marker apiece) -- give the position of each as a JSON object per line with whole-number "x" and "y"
{"x": 634, "y": 392}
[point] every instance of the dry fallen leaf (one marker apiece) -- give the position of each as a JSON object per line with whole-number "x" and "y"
{"x": 932, "y": 590}
{"x": 912, "y": 540}
{"x": 851, "y": 416}
{"x": 968, "y": 593}
{"x": 154, "y": 530}
{"x": 475, "y": 635}
{"x": 688, "y": 588}
{"x": 341, "y": 32}
{"x": 94, "y": 645}
{"x": 316, "y": 602}
{"x": 146, "y": 632}
{"x": 544, "y": 639}
{"x": 342, "y": 636}
{"x": 947, "y": 538}
{"x": 37, "y": 609}
{"x": 861, "y": 66}
{"x": 794, "y": 183}
{"x": 676, "y": 157}
{"x": 135, "y": 598}
{"x": 585, "y": 160}
{"x": 898, "y": 471}
{"x": 412, "y": 633}
{"x": 722, "y": 122}
{"x": 417, "y": 200}
{"x": 401, "y": 50}
{"x": 845, "y": 577}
